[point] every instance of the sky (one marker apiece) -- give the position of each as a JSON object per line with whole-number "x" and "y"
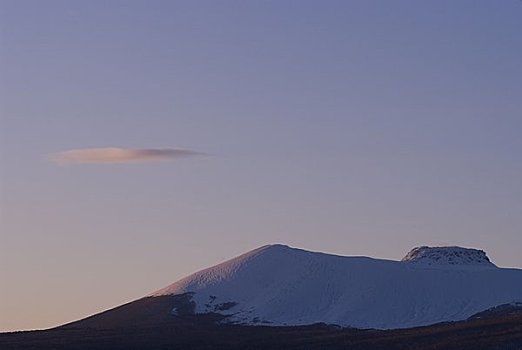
{"x": 141, "y": 141}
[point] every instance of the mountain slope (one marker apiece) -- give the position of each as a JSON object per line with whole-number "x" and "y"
{"x": 279, "y": 285}
{"x": 499, "y": 332}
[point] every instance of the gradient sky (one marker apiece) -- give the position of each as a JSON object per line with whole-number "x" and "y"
{"x": 351, "y": 127}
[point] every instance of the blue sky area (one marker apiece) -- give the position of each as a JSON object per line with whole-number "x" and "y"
{"x": 350, "y": 127}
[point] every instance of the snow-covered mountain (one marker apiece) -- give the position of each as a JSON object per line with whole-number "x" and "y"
{"x": 279, "y": 285}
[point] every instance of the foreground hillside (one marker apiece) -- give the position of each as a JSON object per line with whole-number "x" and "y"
{"x": 145, "y": 325}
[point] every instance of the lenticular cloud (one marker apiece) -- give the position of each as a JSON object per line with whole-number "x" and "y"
{"x": 120, "y": 155}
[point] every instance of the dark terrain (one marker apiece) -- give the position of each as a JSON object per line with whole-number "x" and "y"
{"x": 148, "y": 324}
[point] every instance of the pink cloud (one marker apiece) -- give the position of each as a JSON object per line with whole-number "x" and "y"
{"x": 120, "y": 155}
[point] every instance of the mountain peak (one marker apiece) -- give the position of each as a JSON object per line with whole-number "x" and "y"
{"x": 280, "y": 285}
{"x": 447, "y": 256}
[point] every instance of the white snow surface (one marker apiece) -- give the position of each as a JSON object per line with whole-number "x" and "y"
{"x": 279, "y": 285}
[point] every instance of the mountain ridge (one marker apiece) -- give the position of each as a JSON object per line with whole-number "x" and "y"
{"x": 174, "y": 321}
{"x": 280, "y": 285}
